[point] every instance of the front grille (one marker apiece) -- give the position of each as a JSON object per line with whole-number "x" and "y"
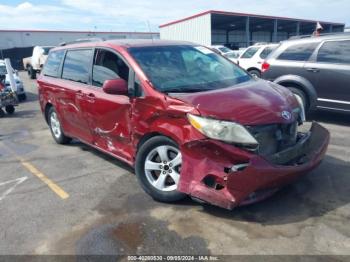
{"x": 275, "y": 137}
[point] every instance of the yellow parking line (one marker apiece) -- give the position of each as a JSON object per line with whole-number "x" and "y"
{"x": 32, "y": 169}
{"x": 54, "y": 187}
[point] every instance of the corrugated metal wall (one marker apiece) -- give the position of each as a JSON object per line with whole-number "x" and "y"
{"x": 197, "y": 30}
{"x": 219, "y": 37}
{"x": 14, "y": 39}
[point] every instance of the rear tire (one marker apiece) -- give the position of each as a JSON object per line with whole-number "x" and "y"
{"x": 56, "y": 129}
{"x": 158, "y": 168}
{"x": 255, "y": 73}
{"x": 2, "y": 113}
{"x": 32, "y": 73}
{"x": 22, "y": 97}
{"x": 10, "y": 109}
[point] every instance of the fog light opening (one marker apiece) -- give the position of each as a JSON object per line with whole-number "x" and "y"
{"x": 214, "y": 182}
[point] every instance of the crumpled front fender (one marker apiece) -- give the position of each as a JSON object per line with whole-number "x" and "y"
{"x": 227, "y": 176}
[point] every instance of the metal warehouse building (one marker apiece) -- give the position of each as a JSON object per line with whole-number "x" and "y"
{"x": 28, "y": 38}
{"x": 240, "y": 30}
{"x": 17, "y": 44}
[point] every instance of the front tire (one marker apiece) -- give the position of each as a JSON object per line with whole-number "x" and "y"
{"x": 56, "y": 129}
{"x": 158, "y": 168}
{"x": 10, "y": 109}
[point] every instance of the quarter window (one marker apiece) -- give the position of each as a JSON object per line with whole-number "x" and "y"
{"x": 337, "y": 52}
{"x": 53, "y": 63}
{"x": 267, "y": 51}
{"x": 107, "y": 66}
{"x": 77, "y": 65}
{"x": 250, "y": 52}
{"x": 299, "y": 52}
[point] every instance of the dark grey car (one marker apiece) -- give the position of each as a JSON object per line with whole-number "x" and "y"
{"x": 316, "y": 69}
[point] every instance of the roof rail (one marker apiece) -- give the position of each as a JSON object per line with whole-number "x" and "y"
{"x": 309, "y": 36}
{"x": 82, "y": 40}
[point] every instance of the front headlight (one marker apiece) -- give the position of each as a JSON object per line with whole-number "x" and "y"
{"x": 302, "y": 108}
{"x": 222, "y": 130}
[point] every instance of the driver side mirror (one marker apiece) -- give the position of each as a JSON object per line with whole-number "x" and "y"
{"x": 115, "y": 87}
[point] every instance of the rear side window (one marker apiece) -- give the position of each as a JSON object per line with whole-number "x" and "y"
{"x": 53, "y": 63}
{"x": 267, "y": 51}
{"x": 337, "y": 52}
{"x": 3, "y": 70}
{"x": 250, "y": 52}
{"x": 76, "y": 65}
{"x": 299, "y": 52}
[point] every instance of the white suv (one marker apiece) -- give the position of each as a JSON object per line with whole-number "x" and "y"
{"x": 228, "y": 53}
{"x": 252, "y": 59}
{"x": 34, "y": 64}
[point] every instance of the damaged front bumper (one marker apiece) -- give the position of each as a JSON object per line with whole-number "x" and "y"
{"x": 227, "y": 176}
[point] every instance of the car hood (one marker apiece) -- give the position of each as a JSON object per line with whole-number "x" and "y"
{"x": 251, "y": 103}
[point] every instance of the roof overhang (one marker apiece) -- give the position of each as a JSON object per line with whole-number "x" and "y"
{"x": 234, "y": 14}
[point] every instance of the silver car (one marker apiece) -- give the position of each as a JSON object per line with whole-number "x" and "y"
{"x": 20, "y": 91}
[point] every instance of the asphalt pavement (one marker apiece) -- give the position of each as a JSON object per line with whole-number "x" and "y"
{"x": 73, "y": 199}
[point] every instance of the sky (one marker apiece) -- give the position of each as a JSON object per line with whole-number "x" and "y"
{"x": 147, "y": 15}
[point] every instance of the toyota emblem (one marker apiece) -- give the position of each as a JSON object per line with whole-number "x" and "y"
{"x": 286, "y": 115}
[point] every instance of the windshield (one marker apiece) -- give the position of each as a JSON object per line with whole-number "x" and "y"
{"x": 46, "y": 50}
{"x": 187, "y": 68}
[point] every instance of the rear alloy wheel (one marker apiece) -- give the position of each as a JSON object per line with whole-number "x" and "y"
{"x": 158, "y": 168}
{"x": 10, "y": 109}
{"x": 55, "y": 127}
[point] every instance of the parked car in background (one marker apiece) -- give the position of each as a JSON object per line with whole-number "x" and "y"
{"x": 316, "y": 69}
{"x": 20, "y": 91}
{"x": 214, "y": 133}
{"x": 34, "y": 64}
{"x": 253, "y": 57}
{"x": 223, "y": 50}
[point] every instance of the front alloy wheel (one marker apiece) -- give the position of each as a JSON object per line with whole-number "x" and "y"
{"x": 162, "y": 167}
{"x": 158, "y": 168}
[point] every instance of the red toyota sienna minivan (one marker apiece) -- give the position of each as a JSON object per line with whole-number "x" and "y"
{"x": 190, "y": 121}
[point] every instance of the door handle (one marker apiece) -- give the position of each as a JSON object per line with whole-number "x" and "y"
{"x": 79, "y": 94}
{"x": 91, "y": 97}
{"x": 312, "y": 69}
